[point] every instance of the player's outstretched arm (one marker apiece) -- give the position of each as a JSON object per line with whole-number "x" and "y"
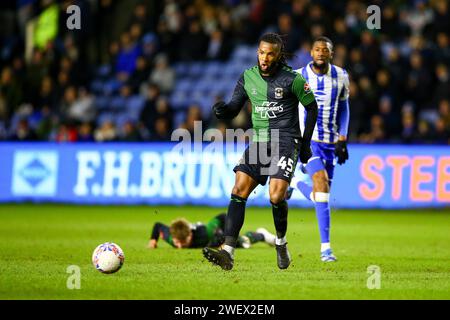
{"x": 159, "y": 230}
{"x": 343, "y": 118}
{"x": 231, "y": 109}
{"x": 340, "y": 149}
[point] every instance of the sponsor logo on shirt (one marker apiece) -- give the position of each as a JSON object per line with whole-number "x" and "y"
{"x": 269, "y": 109}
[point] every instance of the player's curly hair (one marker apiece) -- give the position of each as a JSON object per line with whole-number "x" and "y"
{"x": 324, "y": 39}
{"x": 180, "y": 229}
{"x": 277, "y": 39}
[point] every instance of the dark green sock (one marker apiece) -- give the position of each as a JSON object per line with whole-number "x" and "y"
{"x": 280, "y": 213}
{"x": 234, "y": 220}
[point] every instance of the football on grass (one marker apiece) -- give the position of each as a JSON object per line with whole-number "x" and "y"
{"x": 108, "y": 257}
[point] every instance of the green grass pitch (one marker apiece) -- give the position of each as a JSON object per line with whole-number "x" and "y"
{"x": 39, "y": 242}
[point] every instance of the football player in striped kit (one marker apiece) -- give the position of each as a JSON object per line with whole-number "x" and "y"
{"x": 330, "y": 85}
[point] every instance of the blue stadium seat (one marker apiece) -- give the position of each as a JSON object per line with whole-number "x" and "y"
{"x": 197, "y": 95}
{"x": 244, "y": 53}
{"x": 134, "y": 103}
{"x": 118, "y": 103}
{"x": 179, "y": 118}
{"x": 213, "y": 69}
{"x": 103, "y": 71}
{"x": 178, "y": 100}
{"x": 134, "y": 106}
{"x": 14, "y": 122}
{"x": 105, "y": 116}
{"x": 97, "y": 86}
{"x": 206, "y": 105}
{"x": 239, "y": 53}
{"x": 122, "y": 118}
{"x": 102, "y": 102}
{"x": 181, "y": 69}
{"x": 184, "y": 85}
{"x": 196, "y": 69}
{"x": 111, "y": 86}
{"x": 203, "y": 85}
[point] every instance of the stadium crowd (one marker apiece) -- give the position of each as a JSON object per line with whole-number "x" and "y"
{"x": 53, "y": 81}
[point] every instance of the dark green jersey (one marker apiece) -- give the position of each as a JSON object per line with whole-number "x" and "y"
{"x": 274, "y": 101}
{"x": 210, "y": 234}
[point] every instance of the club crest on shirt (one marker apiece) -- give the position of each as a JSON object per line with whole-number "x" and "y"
{"x": 278, "y": 93}
{"x": 306, "y": 87}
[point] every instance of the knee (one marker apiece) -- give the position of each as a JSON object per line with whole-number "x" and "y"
{"x": 320, "y": 180}
{"x": 239, "y": 191}
{"x": 277, "y": 197}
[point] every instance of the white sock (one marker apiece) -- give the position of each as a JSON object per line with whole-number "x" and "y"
{"x": 281, "y": 241}
{"x": 325, "y": 246}
{"x": 229, "y": 249}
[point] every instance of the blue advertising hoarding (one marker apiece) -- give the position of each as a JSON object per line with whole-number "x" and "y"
{"x": 376, "y": 176}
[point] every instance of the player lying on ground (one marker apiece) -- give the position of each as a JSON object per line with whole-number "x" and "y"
{"x": 330, "y": 85}
{"x": 274, "y": 91}
{"x": 183, "y": 234}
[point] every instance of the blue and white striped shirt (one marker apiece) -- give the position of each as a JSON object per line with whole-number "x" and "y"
{"x": 331, "y": 91}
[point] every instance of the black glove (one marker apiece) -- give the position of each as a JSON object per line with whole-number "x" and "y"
{"x": 305, "y": 152}
{"x": 341, "y": 151}
{"x": 220, "y": 109}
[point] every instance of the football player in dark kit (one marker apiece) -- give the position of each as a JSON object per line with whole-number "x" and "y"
{"x": 274, "y": 91}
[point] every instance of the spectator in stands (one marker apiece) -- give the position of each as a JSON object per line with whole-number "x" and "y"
{"x": 47, "y": 123}
{"x": 194, "y": 114}
{"x": 85, "y": 133}
{"x": 418, "y": 80}
{"x": 106, "y": 132}
{"x": 376, "y": 133}
{"x": 147, "y": 114}
{"x": 47, "y": 95}
{"x": 163, "y": 74}
{"x": 83, "y": 108}
{"x": 194, "y": 43}
{"x": 390, "y": 118}
{"x": 444, "y": 112}
{"x": 4, "y": 116}
{"x": 23, "y": 132}
{"x": 65, "y": 106}
{"x": 441, "y": 88}
{"x": 162, "y": 132}
{"x": 442, "y": 135}
{"x": 291, "y": 33}
{"x": 130, "y": 132}
{"x": 10, "y": 91}
{"x": 441, "y": 16}
{"x": 66, "y": 133}
{"x": 424, "y": 134}
{"x": 141, "y": 18}
{"x": 139, "y": 75}
{"x": 126, "y": 57}
{"x": 409, "y": 126}
{"x": 218, "y": 47}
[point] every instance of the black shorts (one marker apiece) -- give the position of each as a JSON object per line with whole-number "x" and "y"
{"x": 264, "y": 159}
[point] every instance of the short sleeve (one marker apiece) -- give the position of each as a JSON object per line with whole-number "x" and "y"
{"x": 302, "y": 90}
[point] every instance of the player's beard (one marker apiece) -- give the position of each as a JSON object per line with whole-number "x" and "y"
{"x": 270, "y": 70}
{"x": 322, "y": 67}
